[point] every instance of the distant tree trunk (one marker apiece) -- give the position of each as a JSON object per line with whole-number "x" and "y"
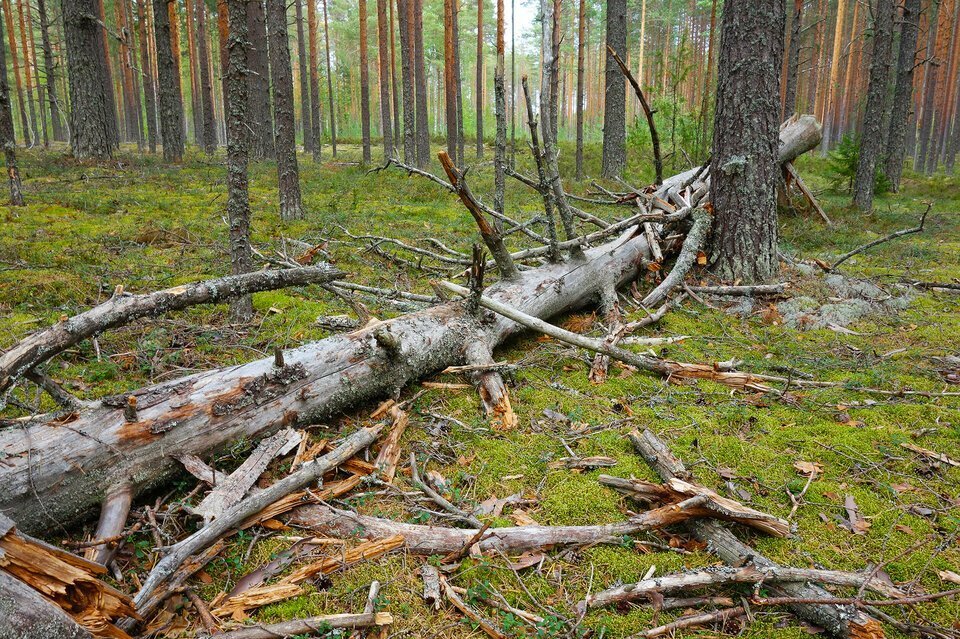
{"x": 315, "y": 143}
{"x": 830, "y": 111}
{"x": 478, "y": 97}
{"x": 90, "y": 135}
{"x": 107, "y": 79}
{"x": 393, "y": 80}
{"x": 131, "y": 114}
{"x": 745, "y": 171}
{"x": 288, "y": 173}
{"x": 449, "y": 86}
{"x": 458, "y": 79}
{"x": 238, "y": 197}
{"x": 14, "y": 58}
{"x": 306, "y": 114}
{"x": 196, "y": 99}
{"x": 950, "y": 105}
{"x": 28, "y": 74}
{"x": 364, "y": 86}
{"x": 903, "y": 94}
{"x": 708, "y": 72}
{"x": 171, "y": 106}
{"x": 6, "y": 132}
{"x": 954, "y": 143}
{"x": 500, "y": 111}
{"x": 333, "y": 116}
{"x": 513, "y": 83}
{"x": 405, "y": 11}
{"x": 849, "y": 98}
{"x": 555, "y": 72}
{"x": 35, "y": 65}
{"x": 48, "y": 67}
{"x": 258, "y": 96}
{"x": 614, "y": 110}
{"x": 386, "y": 126}
{"x": 146, "y": 73}
{"x": 206, "y": 80}
{"x": 581, "y": 30}
{"x": 420, "y": 75}
{"x": 871, "y": 138}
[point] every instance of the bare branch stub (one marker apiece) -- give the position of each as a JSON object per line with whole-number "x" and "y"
{"x": 491, "y": 237}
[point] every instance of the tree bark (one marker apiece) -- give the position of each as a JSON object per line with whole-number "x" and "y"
{"x": 196, "y": 99}
{"x": 315, "y": 119}
{"x": 449, "y": 85}
{"x": 871, "y": 136}
{"x": 420, "y": 76}
{"x": 393, "y": 79}
{"x": 458, "y": 79}
{"x": 168, "y": 83}
{"x": 793, "y": 62}
{"x": 500, "y": 111}
{"x": 90, "y": 135}
{"x": 26, "y": 614}
{"x": 209, "y": 140}
{"x": 931, "y": 77}
{"x": 383, "y": 44}
{"x": 258, "y": 81}
{"x": 27, "y": 72}
{"x": 581, "y": 30}
{"x": 478, "y": 95}
{"x": 48, "y": 67}
{"x": 70, "y": 471}
{"x": 146, "y": 72}
{"x": 238, "y": 195}
{"x": 6, "y": 132}
{"x": 896, "y": 146}
{"x": 744, "y": 170}
{"x": 614, "y": 109}
{"x": 830, "y": 110}
{"x": 364, "y": 86}
{"x": 306, "y": 114}
{"x": 285, "y": 127}
{"x": 405, "y": 11}
{"x": 333, "y": 115}
{"x": 14, "y": 58}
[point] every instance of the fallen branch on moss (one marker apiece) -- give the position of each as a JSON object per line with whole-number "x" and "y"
{"x": 886, "y": 238}
{"x": 309, "y": 626}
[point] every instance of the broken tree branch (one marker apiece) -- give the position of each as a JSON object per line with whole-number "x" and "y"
{"x": 886, "y": 238}
{"x": 692, "y": 245}
{"x": 309, "y": 626}
{"x": 647, "y": 111}
{"x": 120, "y": 310}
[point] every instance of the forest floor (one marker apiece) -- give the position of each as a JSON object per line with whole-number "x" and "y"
{"x": 146, "y": 226}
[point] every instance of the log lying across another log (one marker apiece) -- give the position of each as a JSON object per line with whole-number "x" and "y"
{"x": 57, "y": 469}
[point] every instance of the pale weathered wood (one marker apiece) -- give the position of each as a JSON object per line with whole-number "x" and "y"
{"x": 24, "y": 614}
{"x": 308, "y": 626}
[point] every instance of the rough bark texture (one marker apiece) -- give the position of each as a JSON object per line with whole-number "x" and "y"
{"x": 744, "y": 170}
{"x": 614, "y": 105}
{"x": 500, "y": 111}
{"x": 333, "y": 115}
{"x": 931, "y": 77}
{"x": 238, "y": 195}
{"x": 793, "y": 62}
{"x": 458, "y": 78}
{"x": 420, "y": 75}
{"x": 449, "y": 83}
{"x": 364, "y": 86}
{"x": 581, "y": 30}
{"x": 48, "y": 68}
{"x": 306, "y": 114}
{"x": 90, "y": 135}
{"x": 383, "y": 42}
{"x": 871, "y": 136}
{"x": 170, "y": 110}
{"x": 259, "y": 117}
{"x": 478, "y": 95}
{"x": 405, "y": 11}
{"x": 315, "y": 119}
{"x": 146, "y": 73}
{"x": 25, "y": 614}
{"x": 69, "y": 468}
{"x": 14, "y": 58}
{"x": 206, "y": 80}
{"x": 903, "y": 96}
{"x": 285, "y": 126}
{"x": 7, "y": 140}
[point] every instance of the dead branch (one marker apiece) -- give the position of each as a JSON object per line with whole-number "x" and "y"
{"x": 309, "y": 626}
{"x": 488, "y": 628}
{"x": 693, "y": 621}
{"x": 692, "y": 245}
{"x": 439, "y": 499}
{"x": 113, "y": 519}
{"x": 839, "y": 621}
{"x": 886, "y": 238}
{"x": 545, "y": 192}
{"x": 120, "y": 310}
{"x": 795, "y": 176}
{"x": 389, "y": 455}
{"x": 431, "y": 586}
{"x": 654, "y": 136}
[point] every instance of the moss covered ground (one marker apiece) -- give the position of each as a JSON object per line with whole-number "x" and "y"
{"x": 136, "y": 222}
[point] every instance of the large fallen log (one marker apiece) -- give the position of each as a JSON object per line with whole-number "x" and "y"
{"x": 57, "y": 471}
{"x": 25, "y": 614}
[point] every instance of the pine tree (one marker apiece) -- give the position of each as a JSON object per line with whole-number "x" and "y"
{"x": 170, "y": 110}
{"x": 7, "y": 140}
{"x": 903, "y": 94}
{"x": 614, "y": 112}
{"x": 364, "y": 86}
{"x": 386, "y": 125}
{"x": 90, "y": 135}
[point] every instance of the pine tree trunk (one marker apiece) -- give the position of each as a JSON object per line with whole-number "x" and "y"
{"x": 931, "y": 69}
{"x": 306, "y": 113}
{"x": 830, "y": 110}
{"x": 943, "y": 128}
{"x": 450, "y": 91}
{"x": 614, "y": 110}
{"x": 458, "y": 79}
{"x": 383, "y": 44}
{"x": 146, "y": 73}
{"x": 555, "y": 71}
{"x": 48, "y": 67}
{"x": 14, "y": 58}
{"x": 315, "y": 120}
{"x": 903, "y": 94}
{"x": 581, "y": 30}
{"x": 196, "y": 99}
{"x": 258, "y": 90}
{"x": 209, "y": 141}
{"x": 944, "y": 55}
{"x": 500, "y": 112}
{"x": 170, "y": 110}
{"x": 238, "y": 196}
{"x": 745, "y": 170}
{"x": 393, "y": 80}
{"x": 28, "y": 73}
{"x": 131, "y": 115}
{"x": 849, "y": 81}
{"x": 288, "y": 172}
{"x": 330, "y": 99}
{"x": 478, "y": 96}
{"x": 7, "y": 140}
{"x": 953, "y": 145}
{"x": 90, "y": 135}
{"x": 364, "y": 86}
{"x": 871, "y": 138}
{"x": 420, "y": 76}
{"x": 405, "y": 11}
{"x": 112, "y": 118}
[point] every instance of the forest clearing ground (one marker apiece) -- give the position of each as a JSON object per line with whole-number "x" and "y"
{"x": 87, "y": 229}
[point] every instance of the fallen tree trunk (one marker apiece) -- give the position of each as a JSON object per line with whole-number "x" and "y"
{"x": 57, "y": 471}
{"x": 24, "y": 614}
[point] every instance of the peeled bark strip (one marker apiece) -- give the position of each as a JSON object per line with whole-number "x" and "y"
{"x": 120, "y": 310}
{"x": 58, "y": 578}
{"x": 839, "y": 621}
{"x": 309, "y": 626}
